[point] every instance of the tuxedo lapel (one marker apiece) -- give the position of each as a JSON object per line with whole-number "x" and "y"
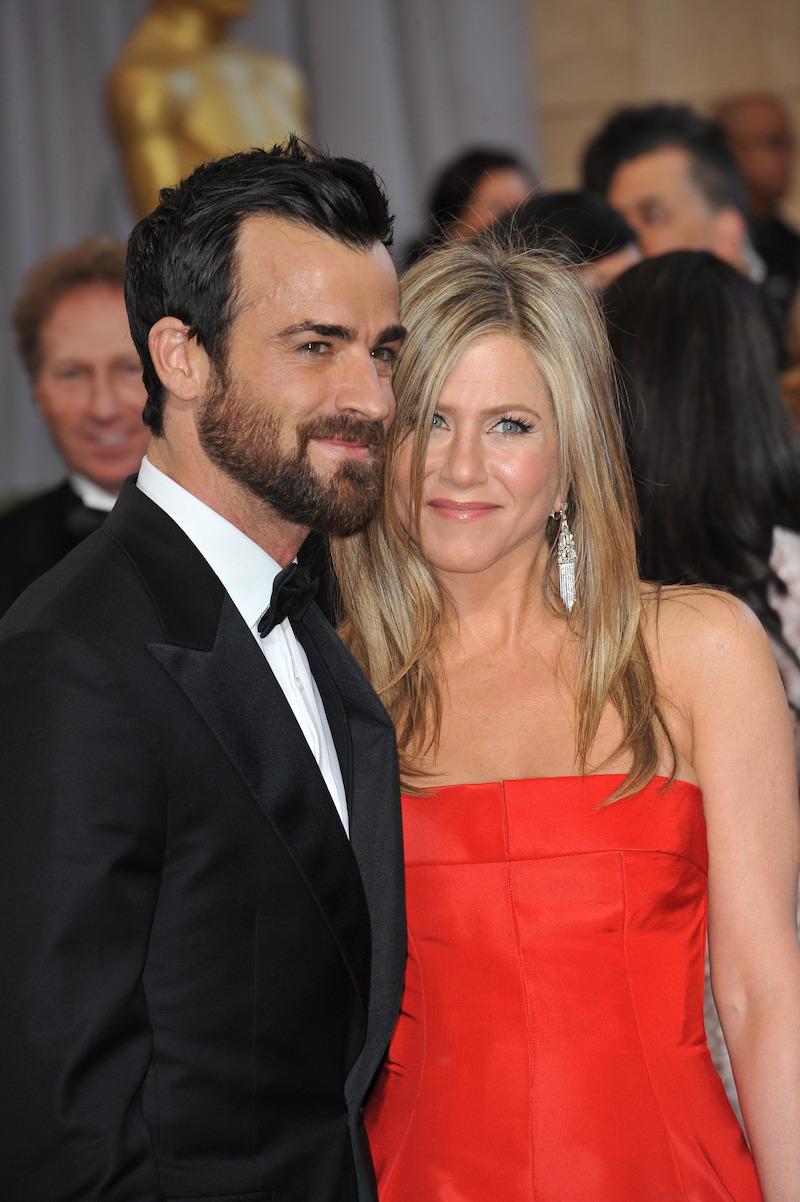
{"x": 212, "y": 656}
{"x": 375, "y": 837}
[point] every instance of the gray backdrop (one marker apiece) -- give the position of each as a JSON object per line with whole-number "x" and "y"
{"x": 404, "y": 84}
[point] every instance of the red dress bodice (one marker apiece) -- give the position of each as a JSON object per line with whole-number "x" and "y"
{"x": 551, "y": 1044}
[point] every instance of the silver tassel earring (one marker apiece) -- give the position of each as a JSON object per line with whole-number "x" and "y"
{"x": 567, "y": 556}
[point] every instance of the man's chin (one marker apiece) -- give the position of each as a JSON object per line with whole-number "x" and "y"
{"x": 346, "y": 504}
{"x": 348, "y": 513}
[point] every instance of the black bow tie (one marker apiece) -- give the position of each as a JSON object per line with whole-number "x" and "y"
{"x": 292, "y": 593}
{"x": 81, "y": 521}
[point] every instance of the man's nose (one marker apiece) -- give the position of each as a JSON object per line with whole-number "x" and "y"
{"x": 104, "y": 402}
{"x": 367, "y": 391}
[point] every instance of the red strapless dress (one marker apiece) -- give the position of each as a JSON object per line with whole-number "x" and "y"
{"x": 551, "y": 1043}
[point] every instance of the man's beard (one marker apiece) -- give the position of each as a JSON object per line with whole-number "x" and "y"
{"x": 244, "y": 440}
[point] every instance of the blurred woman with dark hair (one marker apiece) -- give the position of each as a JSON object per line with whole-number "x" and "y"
{"x": 715, "y": 454}
{"x": 470, "y": 194}
{"x": 714, "y": 451}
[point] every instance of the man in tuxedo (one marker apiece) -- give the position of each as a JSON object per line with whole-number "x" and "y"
{"x": 202, "y": 922}
{"x": 73, "y": 337}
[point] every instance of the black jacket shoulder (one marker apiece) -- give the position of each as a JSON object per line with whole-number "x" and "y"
{"x": 34, "y": 536}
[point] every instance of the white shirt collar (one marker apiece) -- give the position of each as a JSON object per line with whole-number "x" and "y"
{"x": 92, "y": 495}
{"x": 247, "y": 572}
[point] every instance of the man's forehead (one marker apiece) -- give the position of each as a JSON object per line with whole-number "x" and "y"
{"x": 282, "y": 249}
{"x": 296, "y": 272}
{"x": 77, "y": 296}
{"x": 757, "y": 113}
{"x": 663, "y": 162}
{"x": 665, "y": 169}
{"x": 278, "y": 237}
{"x": 77, "y": 311}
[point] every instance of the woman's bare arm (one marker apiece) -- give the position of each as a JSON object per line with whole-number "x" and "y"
{"x": 720, "y": 667}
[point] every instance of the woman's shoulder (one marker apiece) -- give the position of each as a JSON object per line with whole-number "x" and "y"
{"x": 698, "y": 634}
{"x": 689, "y": 605}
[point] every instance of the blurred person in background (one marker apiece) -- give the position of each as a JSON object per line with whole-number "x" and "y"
{"x": 758, "y": 129}
{"x": 715, "y": 457}
{"x": 469, "y": 194}
{"x": 73, "y": 337}
{"x": 669, "y": 172}
{"x": 581, "y": 227}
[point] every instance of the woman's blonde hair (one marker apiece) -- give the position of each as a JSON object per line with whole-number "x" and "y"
{"x": 394, "y": 608}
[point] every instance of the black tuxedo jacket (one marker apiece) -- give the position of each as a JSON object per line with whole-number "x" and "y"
{"x": 35, "y": 535}
{"x": 199, "y": 972}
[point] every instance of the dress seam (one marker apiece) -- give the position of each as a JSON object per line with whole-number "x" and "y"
{"x": 528, "y": 1025}
{"x": 645, "y": 1058}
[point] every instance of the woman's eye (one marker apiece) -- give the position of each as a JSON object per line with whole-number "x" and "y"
{"x": 437, "y": 422}
{"x": 512, "y": 425}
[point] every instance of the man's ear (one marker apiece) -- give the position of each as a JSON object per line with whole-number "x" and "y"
{"x": 730, "y": 228}
{"x": 181, "y": 364}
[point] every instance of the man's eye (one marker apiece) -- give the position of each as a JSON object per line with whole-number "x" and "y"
{"x": 384, "y": 353}
{"x": 314, "y": 348}
{"x": 127, "y": 371}
{"x": 653, "y": 216}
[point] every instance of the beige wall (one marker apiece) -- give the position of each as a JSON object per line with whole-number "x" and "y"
{"x": 591, "y": 56}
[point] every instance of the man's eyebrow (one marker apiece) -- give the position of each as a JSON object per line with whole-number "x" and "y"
{"x": 343, "y": 333}
{"x": 391, "y": 334}
{"x": 394, "y": 333}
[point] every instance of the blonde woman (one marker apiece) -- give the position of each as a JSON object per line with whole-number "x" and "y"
{"x": 586, "y": 761}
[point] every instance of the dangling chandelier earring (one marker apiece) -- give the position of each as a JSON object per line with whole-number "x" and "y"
{"x": 567, "y": 556}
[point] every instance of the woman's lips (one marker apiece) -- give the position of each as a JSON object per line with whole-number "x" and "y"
{"x": 461, "y": 511}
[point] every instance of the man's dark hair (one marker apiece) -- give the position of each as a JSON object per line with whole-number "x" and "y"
{"x": 93, "y": 261}
{"x": 633, "y": 132}
{"x": 182, "y": 257}
{"x": 579, "y": 226}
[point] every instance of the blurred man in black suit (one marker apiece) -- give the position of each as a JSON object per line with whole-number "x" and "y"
{"x": 73, "y": 337}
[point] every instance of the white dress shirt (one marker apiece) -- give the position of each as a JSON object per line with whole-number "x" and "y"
{"x": 247, "y": 573}
{"x": 92, "y": 495}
